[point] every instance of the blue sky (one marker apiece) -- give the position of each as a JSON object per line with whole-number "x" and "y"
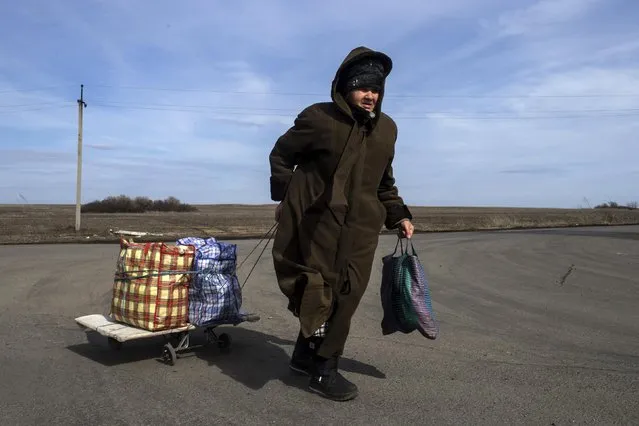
{"x": 498, "y": 102}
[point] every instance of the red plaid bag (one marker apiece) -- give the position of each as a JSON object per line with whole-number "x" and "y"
{"x": 150, "y": 289}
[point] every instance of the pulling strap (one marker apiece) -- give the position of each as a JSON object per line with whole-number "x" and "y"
{"x": 270, "y": 233}
{"x": 146, "y": 274}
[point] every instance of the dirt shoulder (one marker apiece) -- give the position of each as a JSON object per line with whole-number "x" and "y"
{"x": 55, "y": 223}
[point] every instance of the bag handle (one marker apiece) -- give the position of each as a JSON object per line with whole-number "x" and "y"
{"x": 401, "y": 245}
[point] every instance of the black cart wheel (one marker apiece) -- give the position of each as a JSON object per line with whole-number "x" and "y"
{"x": 114, "y": 344}
{"x": 168, "y": 354}
{"x": 224, "y": 341}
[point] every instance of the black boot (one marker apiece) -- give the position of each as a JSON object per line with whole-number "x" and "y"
{"x": 302, "y": 359}
{"x": 327, "y": 381}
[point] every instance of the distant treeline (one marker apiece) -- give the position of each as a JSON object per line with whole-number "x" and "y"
{"x": 615, "y": 205}
{"x": 125, "y": 204}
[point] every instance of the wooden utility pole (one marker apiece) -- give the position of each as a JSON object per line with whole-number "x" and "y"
{"x": 78, "y": 189}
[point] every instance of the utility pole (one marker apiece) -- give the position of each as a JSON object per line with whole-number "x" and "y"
{"x": 78, "y": 189}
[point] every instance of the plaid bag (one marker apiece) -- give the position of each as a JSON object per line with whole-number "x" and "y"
{"x": 215, "y": 295}
{"x": 150, "y": 289}
{"x": 405, "y": 295}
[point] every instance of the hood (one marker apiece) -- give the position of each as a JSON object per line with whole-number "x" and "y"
{"x": 356, "y": 54}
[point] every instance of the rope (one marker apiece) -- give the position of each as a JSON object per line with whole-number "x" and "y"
{"x": 127, "y": 275}
{"x": 258, "y": 244}
{"x": 270, "y": 233}
{"x": 273, "y": 228}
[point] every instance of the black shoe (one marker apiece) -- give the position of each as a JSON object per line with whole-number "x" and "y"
{"x": 330, "y": 383}
{"x": 302, "y": 359}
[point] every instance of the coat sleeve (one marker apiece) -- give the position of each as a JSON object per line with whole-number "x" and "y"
{"x": 287, "y": 152}
{"x": 388, "y": 194}
{"x": 396, "y": 209}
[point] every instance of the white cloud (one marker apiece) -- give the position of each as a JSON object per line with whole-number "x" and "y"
{"x": 542, "y": 15}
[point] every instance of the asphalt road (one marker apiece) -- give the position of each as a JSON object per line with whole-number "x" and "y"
{"x": 537, "y": 327}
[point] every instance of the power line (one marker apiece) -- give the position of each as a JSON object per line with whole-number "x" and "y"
{"x": 389, "y": 95}
{"x": 211, "y": 107}
{"x": 288, "y": 112}
{"x": 28, "y": 105}
{"x": 36, "y": 89}
{"x": 275, "y": 93}
{"x": 407, "y": 115}
{"x": 434, "y": 115}
{"x": 549, "y": 117}
{"x": 181, "y": 107}
{"x": 39, "y": 108}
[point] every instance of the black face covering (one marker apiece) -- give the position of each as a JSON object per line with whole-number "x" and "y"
{"x": 367, "y": 73}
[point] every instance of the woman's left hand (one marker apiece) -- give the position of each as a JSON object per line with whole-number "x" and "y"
{"x": 406, "y": 229}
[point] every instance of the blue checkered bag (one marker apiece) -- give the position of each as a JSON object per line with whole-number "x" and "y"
{"x": 215, "y": 296}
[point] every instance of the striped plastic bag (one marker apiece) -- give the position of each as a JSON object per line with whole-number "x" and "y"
{"x": 405, "y": 295}
{"x": 215, "y": 296}
{"x": 151, "y": 284}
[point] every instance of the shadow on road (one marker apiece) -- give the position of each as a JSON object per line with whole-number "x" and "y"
{"x": 254, "y": 358}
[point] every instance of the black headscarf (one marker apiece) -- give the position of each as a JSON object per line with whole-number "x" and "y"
{"x": 368, "y": 72}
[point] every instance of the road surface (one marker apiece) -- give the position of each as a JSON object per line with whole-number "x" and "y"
{"x": 537, "y": 327}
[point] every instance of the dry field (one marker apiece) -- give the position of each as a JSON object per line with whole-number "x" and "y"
{"x": 55, "y": 223}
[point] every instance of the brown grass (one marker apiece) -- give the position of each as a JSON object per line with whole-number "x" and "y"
{"x": 55, "y": 223}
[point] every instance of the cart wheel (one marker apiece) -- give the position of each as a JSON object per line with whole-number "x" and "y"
{"x": 114, "y": 344}
{"x": 224, "y": 341}
{"x": 168, "y": 354}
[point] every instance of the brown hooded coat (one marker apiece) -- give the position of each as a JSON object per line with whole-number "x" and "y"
{"x": 334, "y": 177}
